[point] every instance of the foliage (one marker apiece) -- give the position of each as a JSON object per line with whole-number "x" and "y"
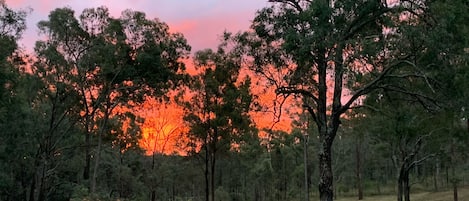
{"x": 400, "y": 68}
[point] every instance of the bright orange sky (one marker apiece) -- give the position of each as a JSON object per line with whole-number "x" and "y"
{"x": 201, "y": 22}
{"x": 164, "y": 125}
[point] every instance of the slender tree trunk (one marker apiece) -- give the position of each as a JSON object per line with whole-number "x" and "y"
{"x": 305, "y": 159}
{"x": 153, "y": 190}
{"x": 41, "y": 194}
{"x": 358, "y": 166}
{"x": 436, "y": 176}
{"x": 32, "y": 188}
{"x": 98, "y": 152}
{"x": 207, "y": 196}
{"x": 86, "y": 171}
{"x": 455, "y": 191}
{"x": 453, "y": 172}
{"x": 96, "y": 166}
{"x": 400, "y": 189}
{"x": 212, "y": 178}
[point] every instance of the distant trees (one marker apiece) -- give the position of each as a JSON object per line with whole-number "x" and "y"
{"x": 217, "y": 111}
{"x": 384, "y": 85}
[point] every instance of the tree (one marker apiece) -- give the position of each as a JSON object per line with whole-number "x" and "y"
{"x": 217, "y": 113}
{"x": 406, "y": 130}
{"x": 111, "y": 63}
{"x": 451, "y": 27}
{"x": 334, "y": 53}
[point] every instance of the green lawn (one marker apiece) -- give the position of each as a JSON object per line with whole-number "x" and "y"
{"x": 423, "y": 196}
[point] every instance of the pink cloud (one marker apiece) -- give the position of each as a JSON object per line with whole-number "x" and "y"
{"x": 201, "y": 22}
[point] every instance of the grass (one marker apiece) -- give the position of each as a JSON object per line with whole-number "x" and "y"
{"x": 463, "y": 194}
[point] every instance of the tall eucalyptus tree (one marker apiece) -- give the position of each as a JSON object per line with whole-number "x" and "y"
{"x": 217, "y": 112}
{"x": 334, "y": 53}
{"x": 110, "y": 62}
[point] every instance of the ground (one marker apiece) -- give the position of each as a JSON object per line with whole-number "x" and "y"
{"x": 463, "y": 195}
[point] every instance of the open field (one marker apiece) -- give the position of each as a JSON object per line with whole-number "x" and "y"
{"x": 463, "y": 195}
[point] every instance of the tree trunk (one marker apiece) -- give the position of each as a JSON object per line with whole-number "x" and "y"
{"x": 454, "y": 180}
{"x": 96, "y": 166}
{"x": 436, "y": 176}
{"x": 305, "y": 159}
{"x": 403, "y": 186}
{"x": 400, "y": 189}
{"x": 325, "y": 174}
{"x": 98, "y": 151}
{"x": 86, "y": 171}
{"x": 212, "y": 178}
{"x": 32, "y": 188}
{"x": 358, "y": 170}
{"x": 206, "y": 173}
{"x": 406, "y": 187}
{"x": 455, "y": 191}
{"x": 153, "y": 191}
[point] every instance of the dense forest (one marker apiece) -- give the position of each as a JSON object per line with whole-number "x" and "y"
{"x": 377, "y": 90}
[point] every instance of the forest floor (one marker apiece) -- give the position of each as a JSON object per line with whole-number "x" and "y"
{"x": 463, "y": 195}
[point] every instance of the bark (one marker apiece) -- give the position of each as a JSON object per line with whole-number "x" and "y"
{"x": 436, "y": 176}
{"x": 325, "y": 175}
{"x": 86, "y": 171}
{"x": 305, "y": 154}
{"x": 358, "y": 170}
{"x": 153, "y": 191}
{"x": 455, "y": 191}
{"x": 454, "y": 181}
{"x": 98, "y": 150}
{"x": 206, "y": 173}
{"x": 32, "y": 188}
{"x": 403, "y": 185}
{"x": 212, "y": 178}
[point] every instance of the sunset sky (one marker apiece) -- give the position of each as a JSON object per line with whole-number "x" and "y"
{"x": 201, "y": 21}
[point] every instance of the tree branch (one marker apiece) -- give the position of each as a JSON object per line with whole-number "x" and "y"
{"x": 294, "y": 3}
{"x": 293, "y": 90}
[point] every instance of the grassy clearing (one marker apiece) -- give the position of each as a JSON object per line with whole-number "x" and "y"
{"x": 463, "y": 195}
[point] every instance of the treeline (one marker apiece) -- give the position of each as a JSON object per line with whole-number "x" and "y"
{"x": 382, "y": 88}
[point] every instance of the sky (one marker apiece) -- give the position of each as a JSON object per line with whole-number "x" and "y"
{"x": 201, "y": 21}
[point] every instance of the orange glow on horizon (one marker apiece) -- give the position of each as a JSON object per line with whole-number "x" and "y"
{"x": 162, "y": 129}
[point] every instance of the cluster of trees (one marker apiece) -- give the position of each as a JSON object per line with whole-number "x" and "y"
{"x": 382, "y": 85}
